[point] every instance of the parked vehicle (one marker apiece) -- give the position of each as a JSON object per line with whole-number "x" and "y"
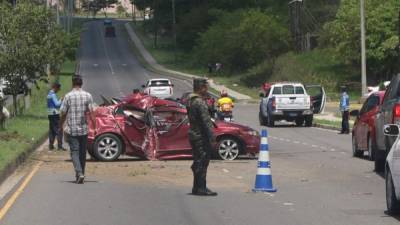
{"x": 392, "y": 170}
{"x": 109, "y": 31}
{"x": 289, "y": 101}
{"x": 363, "y": 134}
{"x": 160, "y": 88}
{"x": 388, "y": 113}
{"x": 122, "y": 126}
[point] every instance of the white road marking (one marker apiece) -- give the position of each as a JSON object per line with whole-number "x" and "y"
{"x": 106, "y": 52}
{"x": 95, "y": 65}
{"x": 314, "y": 146}
{"x": 225, "y": 170}
{"x": 124, "y": 64}
{"x": 288, "y": 204}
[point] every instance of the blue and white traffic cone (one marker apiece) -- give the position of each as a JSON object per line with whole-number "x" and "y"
{"x": 264, "y": 177}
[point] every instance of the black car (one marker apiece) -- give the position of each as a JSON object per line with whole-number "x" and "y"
{"x": 388, "y": 113}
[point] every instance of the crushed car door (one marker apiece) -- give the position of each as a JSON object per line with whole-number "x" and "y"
{"x": 172, "y": 132}
{"x": 135, "y": 127}
{"x": 318, "y": 97}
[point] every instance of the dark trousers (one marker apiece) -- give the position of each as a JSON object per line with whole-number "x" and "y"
{"x": 77, "y": 145}
{"x": 54, "y": 131}
{"x": 345, "y": 122}
{"x": 201, "y": 158}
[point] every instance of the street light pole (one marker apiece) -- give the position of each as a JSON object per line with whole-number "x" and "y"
{"x": 363, "y": 50}
{"x": 174, "y": 27}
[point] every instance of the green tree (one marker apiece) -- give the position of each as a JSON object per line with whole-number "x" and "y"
{"x": 30, "y": 40}
{"x": 242, "y": 39}
{"x": 343, "y": 35}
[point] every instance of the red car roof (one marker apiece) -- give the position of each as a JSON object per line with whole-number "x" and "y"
{"x": 143, "y": 101}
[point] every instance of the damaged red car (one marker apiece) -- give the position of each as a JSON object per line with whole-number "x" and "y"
{"x": 151, "y": 128}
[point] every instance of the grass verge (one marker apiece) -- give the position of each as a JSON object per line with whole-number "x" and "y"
{"x": 30, "y": 128}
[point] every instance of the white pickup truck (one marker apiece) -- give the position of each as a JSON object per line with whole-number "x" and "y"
{"x": 290, "y": 101}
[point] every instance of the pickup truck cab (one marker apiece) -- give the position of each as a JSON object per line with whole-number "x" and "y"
{"x": 289, "y": 101}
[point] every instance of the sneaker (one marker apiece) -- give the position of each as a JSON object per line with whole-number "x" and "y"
{"x": 61, "y": 149}
{"x": 51, "y": 148}
{"x": 80, "y": 179}
{"x": 206, "y": 192}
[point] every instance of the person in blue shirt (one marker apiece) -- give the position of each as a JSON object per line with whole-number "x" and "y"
{"x": 53, "y": 112}
{"x": 344, "y": 108}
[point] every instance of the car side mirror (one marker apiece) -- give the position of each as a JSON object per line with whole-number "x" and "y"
{"x": 143, "y": 86}
{"x": 262, "y": 95}
{"x": 391, "y": 130}
{"x": 355, "y": 113}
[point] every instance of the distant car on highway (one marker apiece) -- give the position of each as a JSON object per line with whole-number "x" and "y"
{"x": 107, "y": 22}
{"x": 289, "y": 101}
{"x": 122, "y": 126}
{"x": 363, "y": 134}
{"x": 388, "y": 113}
{"x": 392, "y": 170}
{"x": 160, "y": 88}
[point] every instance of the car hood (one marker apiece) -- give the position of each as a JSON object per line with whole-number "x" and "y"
{"x": 223, "y": 124}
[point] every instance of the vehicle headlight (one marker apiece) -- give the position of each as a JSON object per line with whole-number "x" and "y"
{"x": 250, "y": 132}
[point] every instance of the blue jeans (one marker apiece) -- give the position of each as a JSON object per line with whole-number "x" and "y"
{"x": 77, "y": 145}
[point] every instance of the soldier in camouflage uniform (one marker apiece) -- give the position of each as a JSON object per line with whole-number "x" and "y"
{"x": 201, "y": 137}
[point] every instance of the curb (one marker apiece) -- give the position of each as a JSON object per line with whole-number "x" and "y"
{"x": 21, "y": 158}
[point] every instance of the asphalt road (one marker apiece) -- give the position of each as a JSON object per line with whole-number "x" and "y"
{"x": 318, "y": 181}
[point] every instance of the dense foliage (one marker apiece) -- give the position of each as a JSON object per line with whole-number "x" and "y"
{"x": 29, "y": 41}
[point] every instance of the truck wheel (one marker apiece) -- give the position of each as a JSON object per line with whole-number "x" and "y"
{"x": 393, "y": 205}
{"x": 299, "y": 122}
{"x": 309, "y": 121}
{"x": 263, "y": 122}
{"x": 270, "y": 121}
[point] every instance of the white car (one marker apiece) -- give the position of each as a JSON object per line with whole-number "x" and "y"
{"x": 392, "y": 171}
{"x": 160, "y": 88}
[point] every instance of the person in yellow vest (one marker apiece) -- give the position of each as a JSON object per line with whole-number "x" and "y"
{"x": 225, "y": 105}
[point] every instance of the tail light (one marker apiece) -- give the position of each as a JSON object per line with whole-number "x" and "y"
{"x": 396, "y": 113}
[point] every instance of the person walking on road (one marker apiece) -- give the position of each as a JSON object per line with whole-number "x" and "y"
{"x": 73, "y": 111}
{"x": 53, "y": 113}
{"x": 201, "y": 137}
{"x": 344, "y": 108}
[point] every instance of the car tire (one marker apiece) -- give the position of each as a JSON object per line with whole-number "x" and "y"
{"x": 379, "y": 162}
{"x": 392, "y": 203}
{"x": 371, "y": 150}
{"x": 299, "y": 122}
{"x": 356, "y": 151}
{"x": 228, "y": 148}
{"x": 92, "y": 155}
{"x": 270, "y": 121}
{"x": 262, "y": 119}
{"x": 107, "y": 147}
{"x": 309, "y": 121}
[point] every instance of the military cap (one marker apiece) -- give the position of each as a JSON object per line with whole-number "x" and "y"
{"x": 198, "y": 83}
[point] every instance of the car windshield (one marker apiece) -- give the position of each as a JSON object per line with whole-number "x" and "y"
{"x": 159, "y": 83}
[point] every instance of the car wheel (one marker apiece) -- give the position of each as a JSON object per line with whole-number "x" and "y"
{"x": 92, "y": 155}
{"x": 393, "y": 205}
{"x": 356, "y": 151}
{"x": 371, "y": 150}
{"x": 262, "y": 119}
{"x": 108, "y": 147}
{"x": 299, "y": 122}
{"x": 270, "y": 121}
{"x": 309, "y": 121}
{"x": 228, "y": 148}
{"x": 379, "y": 162}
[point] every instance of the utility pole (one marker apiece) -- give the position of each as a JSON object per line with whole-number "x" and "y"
{"x": 363, "y": 51}
{"x": 174, "y": 27}
{"x": 134, "y": 11}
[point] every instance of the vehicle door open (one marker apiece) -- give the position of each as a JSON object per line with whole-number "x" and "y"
{"x": 318, "y": 97}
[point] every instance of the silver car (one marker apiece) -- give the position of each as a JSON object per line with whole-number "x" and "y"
{"x": 392, "y": 170}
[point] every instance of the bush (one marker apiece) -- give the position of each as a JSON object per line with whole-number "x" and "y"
{"x": 242, "y": 39}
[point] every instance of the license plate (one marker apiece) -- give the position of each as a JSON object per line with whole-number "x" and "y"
{"x": 292, "y": 114}
{"x": 227, "y": 119}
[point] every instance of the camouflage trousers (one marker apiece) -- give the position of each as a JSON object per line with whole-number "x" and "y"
{"x": 202, "y": 151}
